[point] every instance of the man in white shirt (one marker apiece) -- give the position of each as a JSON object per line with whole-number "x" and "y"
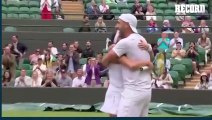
{"x": 176, "y": 39}
{"x": 23, "y": 80}
{"x": 52, "y": 49}
{"x": 40, "y": 68}
{"x": 79, "y": 81}
{"x": 136, "y": 95}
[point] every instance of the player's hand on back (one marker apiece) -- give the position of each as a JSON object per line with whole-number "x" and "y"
{"x": 143, "y": 45}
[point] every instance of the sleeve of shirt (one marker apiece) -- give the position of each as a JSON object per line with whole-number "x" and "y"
{"x": 16, "y": 82}
{"x": 120, "y": 48}
{"x": 74, "y": 83}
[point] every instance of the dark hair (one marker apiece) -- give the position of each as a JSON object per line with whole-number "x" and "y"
{"x": 201, "y": 80}
{"x": 16, "y": 36}
{"x": 65, "y": 44}
{"x": 10, "y": 76}
{"x": 85, "y": 16}
{"x": 178, "y": 43}
{"x": 50, "y": 42}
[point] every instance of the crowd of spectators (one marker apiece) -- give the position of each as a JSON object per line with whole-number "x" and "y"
{"x": 61, "y": 67}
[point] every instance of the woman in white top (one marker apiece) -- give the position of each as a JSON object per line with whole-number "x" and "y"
{"x": 210, "y": 77}
{"x": 205, "y": 43}
{"x": 103, "y": 7}
{"x": 165, "y": 81}
{"x": 204, "y": 80}
{"x": 203, "y": 28}
{"x": 36, "y": 81}
{"x": 150, "y": 14}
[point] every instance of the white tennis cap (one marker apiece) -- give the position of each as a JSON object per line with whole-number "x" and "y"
{"x": 131, "y": 19}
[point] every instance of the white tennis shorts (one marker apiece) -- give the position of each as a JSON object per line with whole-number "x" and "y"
{"x": 112, "y": 99}
{"x": 134, "y": 103}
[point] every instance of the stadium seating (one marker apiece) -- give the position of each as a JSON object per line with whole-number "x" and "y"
{"x": 21, "y": 10}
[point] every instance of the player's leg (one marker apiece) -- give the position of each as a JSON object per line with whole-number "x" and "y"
{"x": 112, "y": 99}
{"x": 145, "y": 104}
{"x": 134, "y": 103}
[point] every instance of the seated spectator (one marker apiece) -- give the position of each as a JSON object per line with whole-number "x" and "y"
{"x": 210, "y": 77}
{"x": 152, "y": 26}
{"x": 203, "y": 28}
{"x": 77, "y": 48}
{"x": 64, "y": 49}
{"x": 166, "y": 80}
{"x": 100, "y": 26}
{"x": 72, "y": 61}
{"x": 52, "y": 49}
{"x": 93, "y": 74}
{"x": 40, "y": 68}
{"x": 150, "y": 14}
{"x": 8, "y": 61}
{"x": 104, "y": 7}
{"x": 105, "y": 10}
{"x": 178, "y": 53}
{"x": 167, "y": 27}
{"x": 163, "y": 42}
{"x": 175, "y": 40}
{"x": 48, "y": 61}
{"x": 205, "y": 43}
{"x": 188, "y": 25}
{"x": 23, "y": 80}
{"x": 34, "y": 57}
{"x": 137, "y": 10}
{"x": 64, "y": 80}
{"x": 192, "y": 53}
{"x": 93, "y": 11}
{"x": 36, "y": 80}
{"x": 6, "y": 78}
{"x": 88, "y": 52}
{"x": 203, "y": 16}
{"x": 86, "y": 25}
{"x": 155, "y": 49}
{"x": 204, "y": 80}
{"x": 79, "y": 81}
{"x": 46, "y": 10}
{"x": 180, "y": 16}
{"x": 49, "y": 80}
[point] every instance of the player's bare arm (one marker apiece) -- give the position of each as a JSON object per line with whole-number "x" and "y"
{"x": 110, "y": 57}
{"x": 134, "y": 65}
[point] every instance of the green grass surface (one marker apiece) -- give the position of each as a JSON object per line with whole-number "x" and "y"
{"x": 67, "y": 114}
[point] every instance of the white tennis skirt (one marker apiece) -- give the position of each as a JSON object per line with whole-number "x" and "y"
{"x": 112, "y": 99}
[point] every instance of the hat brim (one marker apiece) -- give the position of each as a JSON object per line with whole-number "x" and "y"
{"x": 134, "y": 29}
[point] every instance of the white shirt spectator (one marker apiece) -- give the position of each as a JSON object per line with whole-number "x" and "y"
{"x": 42, "y": 4}
{"x": 79, "y": 82}
{"x": 173, "y": 41}
{"x": 103, "y": 9}
{"x": 37, "y": 83}
{"x": 203, "y": 30}
{"x": 152, "y": 16}
{"x": 42, "y": 67}
{"x": 23, "y": 82}
{"x": 54, "y": 51}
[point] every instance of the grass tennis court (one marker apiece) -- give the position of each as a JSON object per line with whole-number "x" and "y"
{"x": 67, "y": 114}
